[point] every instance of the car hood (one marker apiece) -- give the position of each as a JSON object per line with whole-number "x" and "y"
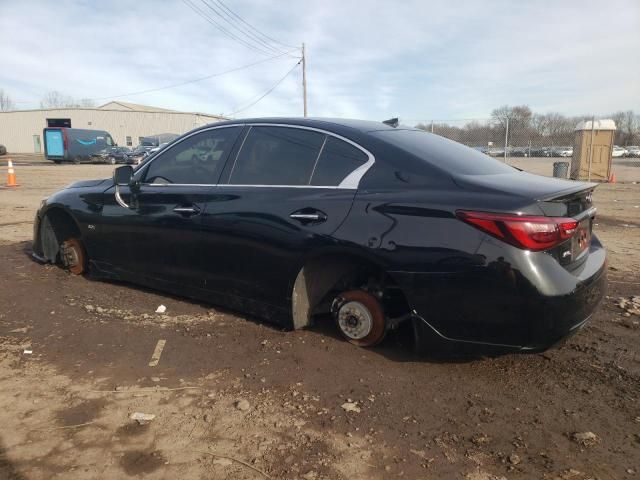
{"x": 89, "y": 183}
{"x": 522, "y": 184}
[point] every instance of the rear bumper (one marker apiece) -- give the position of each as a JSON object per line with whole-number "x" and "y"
{"x": 504, "y": 306}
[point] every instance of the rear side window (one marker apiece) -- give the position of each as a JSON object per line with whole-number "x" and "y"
{"x": 337, "y": 160}
{"x": 446, "y": 154}
{"x": 195, "y": 160}
{"x": 277, "y": 156}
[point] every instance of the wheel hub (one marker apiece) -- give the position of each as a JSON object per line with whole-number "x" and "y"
{"x": 355, "y": 320}
{"x": 71, "y": 256}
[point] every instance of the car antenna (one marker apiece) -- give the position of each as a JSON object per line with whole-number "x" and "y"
{"x": 392, "y": 122}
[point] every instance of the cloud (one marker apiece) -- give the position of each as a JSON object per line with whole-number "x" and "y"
{"x": 414, "y": 59}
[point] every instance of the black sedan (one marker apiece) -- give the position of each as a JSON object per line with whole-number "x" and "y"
{"x": 114, "y": 155}
{"x": 296, "y": 220}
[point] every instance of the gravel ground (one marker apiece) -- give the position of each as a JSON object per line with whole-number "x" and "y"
{"x": 235, "y": 398}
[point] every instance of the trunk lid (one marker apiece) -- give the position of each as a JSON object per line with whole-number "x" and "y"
{"x": 554, "y": 197}
{"x": 523, "y": 184}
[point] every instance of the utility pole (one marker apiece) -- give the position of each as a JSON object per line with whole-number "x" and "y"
{"x": 304, "y": 80}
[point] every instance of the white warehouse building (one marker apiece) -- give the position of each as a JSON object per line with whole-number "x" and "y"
{"x": 128, "y": 123}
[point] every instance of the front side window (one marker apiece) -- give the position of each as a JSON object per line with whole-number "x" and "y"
{"x": 337, "y": 160}
{"x": 196, "y": 160}
{"x": 277, "y": 156}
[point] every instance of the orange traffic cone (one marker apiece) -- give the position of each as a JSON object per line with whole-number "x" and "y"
{"x": 612, "y": 178}
{"x": 11, "y": 176}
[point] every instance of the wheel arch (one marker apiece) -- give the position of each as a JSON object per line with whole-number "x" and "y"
{"x": 320, "y": 273}
{"x": 57, "y": 225}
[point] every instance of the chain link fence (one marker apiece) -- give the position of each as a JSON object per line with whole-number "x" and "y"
{"x": 538, "y": 148}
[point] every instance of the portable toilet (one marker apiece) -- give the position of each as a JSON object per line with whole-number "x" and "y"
{"x": 592, "y": 148}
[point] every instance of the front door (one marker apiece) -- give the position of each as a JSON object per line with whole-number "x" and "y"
{"x": 161, "y": 232}
{"x": 37, "y": 147}
{"x": 284, "y": 193}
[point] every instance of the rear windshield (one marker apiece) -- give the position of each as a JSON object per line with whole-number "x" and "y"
{"x": 446, "y": 154}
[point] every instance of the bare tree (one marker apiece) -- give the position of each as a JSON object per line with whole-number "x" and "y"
{"x": 628, "y": 126}
{"x": 6, "y": 103}
{"x": 518, "y": 118}
{"x": 540, "y": 123}
{"x": 87, "y": 102}
{"x": 56, "y": 99}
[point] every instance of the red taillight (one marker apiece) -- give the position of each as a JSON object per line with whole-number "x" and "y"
{"x": 523, "y": 231}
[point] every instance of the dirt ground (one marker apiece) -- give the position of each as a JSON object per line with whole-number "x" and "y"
{"x": 236, "y": 398}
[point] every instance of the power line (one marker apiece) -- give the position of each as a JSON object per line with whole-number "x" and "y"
{"x": 250, "y": 36}
{"x": 193, "y": 80}
{"x": 226, "y": 32}
{"x": 251, "y": 26}
{"x": 271, "y": 89}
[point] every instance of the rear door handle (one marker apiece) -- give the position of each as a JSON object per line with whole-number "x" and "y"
{"x": 307, "y": 216}
{"x": 187, "y": 210}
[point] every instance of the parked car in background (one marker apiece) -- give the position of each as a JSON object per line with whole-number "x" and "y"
{"x": 565, "y": 152}
{"x": 560, "y": 152}
{"x": 633, "y": 151}
{"x": 618, "y": 152}
{"x": 3, "y": 150}
{"x": 140, "y": 153}
{"x": 519, "y": 152}
{"x": 158, "y": 148}
{"x": 114, "y": 155}
{"x": 303, "y": 220}
{"x": 495, "y": 152}
{"x": 540, "y": 152}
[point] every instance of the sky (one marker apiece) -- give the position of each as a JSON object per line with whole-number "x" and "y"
{"x": 418, "y": 60}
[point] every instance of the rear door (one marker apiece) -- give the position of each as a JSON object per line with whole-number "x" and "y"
{"x": 287, "y": 190}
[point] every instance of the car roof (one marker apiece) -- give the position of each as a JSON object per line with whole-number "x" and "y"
{"x": 316, "y": 122}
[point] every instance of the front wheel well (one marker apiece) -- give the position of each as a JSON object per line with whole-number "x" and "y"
{"x": 324, "y": 277}
{"x": 57, "y": 226}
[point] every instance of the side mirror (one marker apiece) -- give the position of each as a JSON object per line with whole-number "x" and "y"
{"x": 123, "y": 175}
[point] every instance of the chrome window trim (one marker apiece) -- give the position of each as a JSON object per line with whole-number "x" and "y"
{"x": 235, "y": 160}
{"x": 240, "y": 185}
{"x": 350, "y": 182}
{"x": 160, "y": 153}
{"x": 315, "y": 164}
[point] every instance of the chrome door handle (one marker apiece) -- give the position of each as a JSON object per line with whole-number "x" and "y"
{"x": 187, "y": 210}
{"x": 306, "y": 216}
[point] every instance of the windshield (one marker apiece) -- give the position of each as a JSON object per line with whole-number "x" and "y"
{"x": 448, "y": 155}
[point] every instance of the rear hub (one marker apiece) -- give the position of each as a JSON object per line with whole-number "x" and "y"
{"x": 360, "y": 318}
{"x": 355, "y": 320}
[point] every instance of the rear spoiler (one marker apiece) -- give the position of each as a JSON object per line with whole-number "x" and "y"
{"x": 580, "y": 187}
